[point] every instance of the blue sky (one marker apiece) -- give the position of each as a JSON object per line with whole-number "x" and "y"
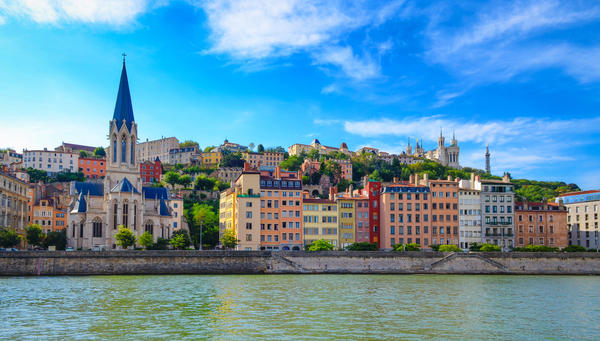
{"x": 523, "y": 75}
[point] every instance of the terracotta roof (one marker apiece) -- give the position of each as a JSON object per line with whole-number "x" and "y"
{"x": 578, "y": 193}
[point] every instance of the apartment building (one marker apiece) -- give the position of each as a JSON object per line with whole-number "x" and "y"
{"x": 405, "y": 213}
{"x": 9, "y": 156}
{"x": 51, "y": 161}
{"x": 74, "y": 148}
{"x": 271, "y": 159}
{"x": 321, "y": 221}
{"x": 497, "y": 199}
{"x": 14, "y": 202}
{"x": 582, "y": 217}
{"x": 183, "y": 156}
{"x": 49, "y": 214}
{"x": 372, "y": 190}
{"x": 444, "y": 212}
{"x": 150, "y": 150}
{"x": 297, "y": 149}
{"x": 229, "y": 174}
{"x": 469, "y": 208}
{"x": 151, "y": 171}
{"x": 347, "y": 209}
{"x": 541, "y": 223}
{"x": 212, "y": 158}
{"x": 92, "y": 167}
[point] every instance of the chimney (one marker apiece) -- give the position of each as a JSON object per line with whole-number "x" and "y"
{"x": 247, "y": 166}
{"x": 506, "y": 177}
{"x": 416, "y": 179}
{"x": 472, "y": 180}
{"x": 545, "y": 204}
{"x": 395, "y": 180}
{"x": 525, "y": 205}
{"x": 457, "y": 179}
{"x": 350, "y": 189}
{"x": 561, "y": 204}
{"x": 411, "y": 179}
{"x": 332, "y": 192}
{"x": 426, "y": 179}
{"x": 278, "y": 173}
{"x": 449, "y": 177}
{"x": 478, "y": 178}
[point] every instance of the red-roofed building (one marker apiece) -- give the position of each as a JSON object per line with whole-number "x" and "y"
{"x": 151, "y": 171}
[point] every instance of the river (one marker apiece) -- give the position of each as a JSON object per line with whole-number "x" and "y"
{"x": 300, "y": 307}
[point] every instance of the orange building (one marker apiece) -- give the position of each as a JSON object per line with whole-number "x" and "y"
{"x": 150, "y": 172}
{"x": 444, "y": 211}
{"x": 92, "y": 167}
{"x": 49, "y": 214}
{"x": 541, "y": 223}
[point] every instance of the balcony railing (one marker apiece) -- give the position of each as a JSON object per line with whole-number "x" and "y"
{"x": 499, "y": 235}
{"x": 500, "y": 223}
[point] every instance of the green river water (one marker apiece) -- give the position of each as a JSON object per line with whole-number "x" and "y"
{"x": 300, "y": 307}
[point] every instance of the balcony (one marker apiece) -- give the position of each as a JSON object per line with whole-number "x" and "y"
{"x": 499, "y": 235}
{"x": 499, "y": 223}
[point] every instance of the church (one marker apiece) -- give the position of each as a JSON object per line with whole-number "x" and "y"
{"x": 447, "y": 156}
{"x": 97, "y": 209}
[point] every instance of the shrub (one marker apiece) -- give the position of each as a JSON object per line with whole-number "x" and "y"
{"x": 535, "y": 248}
{"x": 408, "y": 247}
{"x": 449, "y": 248}
{"x": 489, "y": 248}
{"x": 362, "y": 247}
{"x": 574, "y": 248}
{"x": 320, "y": 245}
{"x": 161, "y": 244}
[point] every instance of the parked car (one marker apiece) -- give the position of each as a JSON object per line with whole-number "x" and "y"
{"x": 69, "y": 249}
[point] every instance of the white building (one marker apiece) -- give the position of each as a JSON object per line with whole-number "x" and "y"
{"x": 469, "y": 207}
{"x": 150, "y": 150}
{"x": 51, "y": 161}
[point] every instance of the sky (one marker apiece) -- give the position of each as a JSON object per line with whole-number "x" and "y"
{"x": 522, "y": 75}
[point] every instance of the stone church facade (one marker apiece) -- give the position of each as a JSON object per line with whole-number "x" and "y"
{"x": 97, "y": 209}
{"x": 447, "y": 156}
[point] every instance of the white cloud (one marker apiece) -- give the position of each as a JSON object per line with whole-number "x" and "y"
{"x": 332, "y": 88}
{"x": 112, "y": 12}
{"x": 495, "y": 131}
{"x": 251, "y": 30}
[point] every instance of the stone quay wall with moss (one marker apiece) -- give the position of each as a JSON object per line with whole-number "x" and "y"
{"x": 62, "y": 263}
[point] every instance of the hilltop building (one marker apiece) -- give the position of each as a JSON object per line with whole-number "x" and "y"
{"x": 297, "y": 149}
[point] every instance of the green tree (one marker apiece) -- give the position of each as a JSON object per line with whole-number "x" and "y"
{"x": 320, "y": 245}
{"x": 188, "y": 143}
{"x": 574, "y": 248}
{"x": 535, "y": 248}
{"x": 208, "y": 149}
{"x": 36, "y": 175}
{"x": 99, "y": 151}
{"x": 375, "y": 176}
{"x": 204, "y": 183}
{"x": 34, "y": 235}
{"x": 364, "y": 246}
{"x": 178, "y": 241}
{"x": 313, "y": 154}
{"x": 56, "y": 238}
{"x": 172, "y": 178}
{"x": 232, "y": 160}
{"x": 146, "y": 239}
{"x": 9, "y": 237}
{"x": 260, "y": 148}
{"x": 251, "y": 146}
{"x": 334, "y": 170}
{"x": 316, "y": 178}
{"x": 306, "y": 180}
{"x": 489, "y": 248}
{"x": 181, "y": 237}
{"x": 449, "y": 248}
{"x": 161, "y": 244}
{"x": 125, "y": 237}
{"x": 83, "y": 153}
{"x": 408, "y": 247}
{"x": 229, "y": 241}
{"x": 185, "y": 180}
{"x": 292, "y": 163}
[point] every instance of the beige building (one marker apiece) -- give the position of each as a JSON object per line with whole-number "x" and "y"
{"x": 582, "y": 217}
{"x": 228, "y": 174}
{"x": 9, "y": 156}
{"x": 469, "y": 208}
{"x": 14, "y": 202}
{"x": 74, "y": 148}
{"x": 321, "y": 221}
{"x": 297, "y": 149}
{"x": 271, "y": 159}
{"x": 497, "y": 202}
{"x": 150, "y": 150}
{"x": 51, "y": 161}
{"x": 183, "y": 156}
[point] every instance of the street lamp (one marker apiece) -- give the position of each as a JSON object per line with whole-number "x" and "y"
{"x": 200, "y": 237}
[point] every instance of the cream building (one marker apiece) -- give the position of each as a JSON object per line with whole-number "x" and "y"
{"x": 582, "y": 217}
{"x": 51, "y": 161}
{"x": 97, "y": 209}
{"x": 272, "y": 159}
{"x": 14, "y": 202}
{"x": 10, "y": 156}
{"x": 469, "y": 207}
{"x": 150, "y": 150}
{"x": 297, "y": 149}
{"x": 183, "y": 156}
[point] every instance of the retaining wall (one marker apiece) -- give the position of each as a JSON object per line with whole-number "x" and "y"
{"x": 61, "y": 263}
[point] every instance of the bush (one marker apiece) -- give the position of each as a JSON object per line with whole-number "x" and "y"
{"x": 408, "y": 247}
{"x": 161, "y": 244}
{"x": 320, "y": 245}
{"x": 574, "y": 248}
{"x": 489, "y": 248}
{"x": 362, "y": 247}
{"x": 592, "y": 250}
{"x": 449, "y": 248}
{"x": 535, "y": 248}
{"x": 435, "y": 247}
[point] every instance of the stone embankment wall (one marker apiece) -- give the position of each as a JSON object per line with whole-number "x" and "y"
{"x": 63, "y": 263}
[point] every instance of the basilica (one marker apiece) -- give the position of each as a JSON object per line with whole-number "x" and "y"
{"x": 97, "y": 209}
{"x": 447, "y": 156}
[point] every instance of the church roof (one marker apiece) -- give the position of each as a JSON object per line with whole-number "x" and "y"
{"x": 80, "y": 205}
{"x": 316, "y": 141}
{"x": 123, "y": 108}
{"x": 95, "y": 190}
{"x": 157, "y": 159}
{"x": 164, "y": 210}
{"x": 156, "y": 192}
{"x": 124, "y": 186}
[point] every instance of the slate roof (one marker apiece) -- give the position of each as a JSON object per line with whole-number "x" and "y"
{"x": 156, "y": 192}
{"x": 124, "y": 186}
{"x": 163, "y": 209}
{"x": 94, "y": 189}
{"x": 80, "y": 205}
{"x": 123, "y": 107}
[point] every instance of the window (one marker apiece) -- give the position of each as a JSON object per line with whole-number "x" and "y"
{"x": 149, "y": 227}
{"x": 97, "y": 228}
{"x": 248, "y": 214}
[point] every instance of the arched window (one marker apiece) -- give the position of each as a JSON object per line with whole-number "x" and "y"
{"x": 123, "y": 150}
{"x": 132, "y": 148}
{"x": 73, "y": 230}
{"x": 115, "y": 207}
{"x": 150, "y": 227}
{"x": 125, "y": 214}
{"x": 114, "y": 151}
{"x": 134, "y": 214}
{"x": 81, "y": 230}
{"x": 8, "y": 205}
{"x": 97, "y": 228}
{"x": 4, "y": 200}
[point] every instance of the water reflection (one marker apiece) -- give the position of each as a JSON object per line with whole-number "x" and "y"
{"x": 291, "y": 307}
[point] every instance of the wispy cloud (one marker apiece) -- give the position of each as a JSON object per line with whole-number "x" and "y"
{"x": 498, "y": 131}
{"x": 111, "y": 12}
{"x": 267, "y": 29}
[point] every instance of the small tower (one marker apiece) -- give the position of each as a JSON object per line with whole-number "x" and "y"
{"x": 487, "y": 158}
{"x": 408, "y": 148}
{"x": 441, "y": 140}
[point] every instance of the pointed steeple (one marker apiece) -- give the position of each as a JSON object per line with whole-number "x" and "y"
{"x": 453, "y": 135}
{"x": 124, "y": 108}
{"x": 409, "y": 141}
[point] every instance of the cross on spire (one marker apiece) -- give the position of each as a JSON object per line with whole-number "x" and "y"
{"x": 124, "y": 55}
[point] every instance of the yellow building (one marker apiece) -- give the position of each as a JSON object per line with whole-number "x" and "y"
{"x": 272, "y": 159}
{"x": 321, "y": 221}
{"x": 347, "y": 222}
{"x": 211, "y": 159}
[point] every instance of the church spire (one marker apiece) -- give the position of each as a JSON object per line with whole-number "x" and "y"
{"x": 123, "y": 107}
{"x": 441, "y": 131}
